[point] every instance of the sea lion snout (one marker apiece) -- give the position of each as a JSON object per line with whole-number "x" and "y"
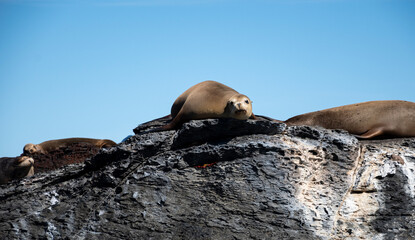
{"x": 239, "y": 106}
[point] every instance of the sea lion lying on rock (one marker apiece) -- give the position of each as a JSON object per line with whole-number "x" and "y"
{"x": 54, "y": 154}
{"x": 365, "y": 120}
{"x": 48, "y": 146}
{"x": 208, "y": 99}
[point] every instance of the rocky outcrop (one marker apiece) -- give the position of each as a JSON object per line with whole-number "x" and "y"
{"x": 263, "y": 181}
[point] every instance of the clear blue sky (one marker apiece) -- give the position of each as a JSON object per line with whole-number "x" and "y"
{"x": 89, "y": 68}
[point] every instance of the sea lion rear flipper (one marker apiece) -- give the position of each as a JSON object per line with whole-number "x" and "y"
{"x": 166, "y": 127}
{"x": 167, "y": 117}
{"x": 262, "y": 117}
{"x": 170, "y": 126}
{"x": 371, "y": 133}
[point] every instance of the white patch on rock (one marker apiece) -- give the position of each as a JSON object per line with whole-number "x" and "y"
{"x": 349, "y": 207}
{"x": 387, "y": 169}
{"x": 408, "y": 169}
{"x": 50, "y": 231}
{"x": 53, "y": 197}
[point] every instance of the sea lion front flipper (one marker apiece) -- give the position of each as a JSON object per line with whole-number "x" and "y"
{"x": 371, "y": 133}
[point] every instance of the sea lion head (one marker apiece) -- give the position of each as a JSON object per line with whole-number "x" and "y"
{"x": 23, "y": 167}
{"x": 31, "y": 148}
{"x": 24, "y": 161}
{"x": 239, "y": 106}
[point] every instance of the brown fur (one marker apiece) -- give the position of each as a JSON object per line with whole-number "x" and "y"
{"x": 366, "y": 120}
{"x": 15, "y": 168}
{"x": 209, "y": 99}
{"x": 52, "y": 145}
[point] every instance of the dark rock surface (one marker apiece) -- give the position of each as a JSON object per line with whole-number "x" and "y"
{"x": 266, "y": 181}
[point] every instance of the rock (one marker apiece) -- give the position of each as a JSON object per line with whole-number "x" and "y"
{"x": 265, "y": 181}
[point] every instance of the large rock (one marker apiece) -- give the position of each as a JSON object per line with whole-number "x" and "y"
{"x": 263, "y": 181}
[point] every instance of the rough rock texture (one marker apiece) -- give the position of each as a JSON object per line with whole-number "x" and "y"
{"x": 267, "y": 181}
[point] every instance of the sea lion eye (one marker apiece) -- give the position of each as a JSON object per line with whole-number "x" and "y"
{"x": 231, "y": 102}
{"x": 246, "y": 101}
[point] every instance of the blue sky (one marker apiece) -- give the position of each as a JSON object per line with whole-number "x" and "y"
{"x": 99, "y": 68}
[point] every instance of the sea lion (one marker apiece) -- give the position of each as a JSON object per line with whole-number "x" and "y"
{"x": 208, "y": 99}
{"x": 46, "y": 147}
{"x": 15, "y": 168}
{"x": 366, "y": 120}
